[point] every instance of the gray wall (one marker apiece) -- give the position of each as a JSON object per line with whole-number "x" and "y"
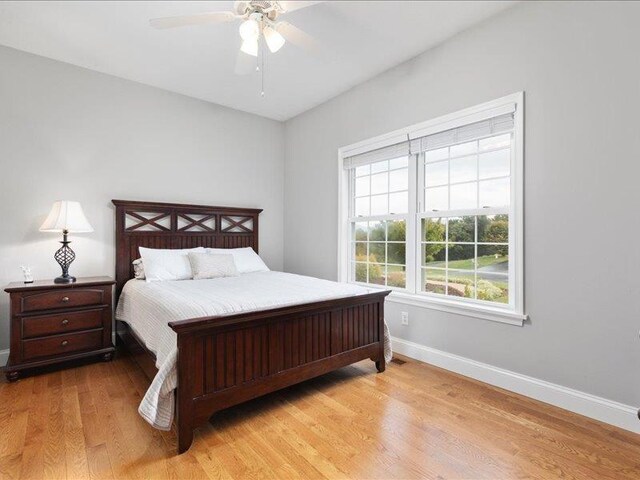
{"x": 579, "y": 66}
{"x": 70, "y": 133}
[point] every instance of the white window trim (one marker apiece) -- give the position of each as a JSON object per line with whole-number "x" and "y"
{"x": 515, "y": 316}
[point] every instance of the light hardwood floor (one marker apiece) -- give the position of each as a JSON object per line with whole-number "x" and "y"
{"x": 413, "y": 421}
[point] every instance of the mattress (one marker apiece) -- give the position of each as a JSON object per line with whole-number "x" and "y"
{"x": 149, "y": 307}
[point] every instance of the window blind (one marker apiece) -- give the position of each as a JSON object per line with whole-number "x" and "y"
{"x": 499, "y": 122}
{"x": 378, "y": 155}
{"x": 485, "y": 128}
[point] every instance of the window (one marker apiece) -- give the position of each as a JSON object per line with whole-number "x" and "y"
{"x": 464, "y": 211}
{"x": 434, "y": 212}
{"x": 379, "y": 208}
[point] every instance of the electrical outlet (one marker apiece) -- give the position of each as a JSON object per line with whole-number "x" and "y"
{"x": 404, "y": 316}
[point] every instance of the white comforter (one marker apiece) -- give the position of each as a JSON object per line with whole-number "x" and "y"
{"x": 149, "y": 307}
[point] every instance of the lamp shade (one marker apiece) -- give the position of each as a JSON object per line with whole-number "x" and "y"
{"x": 65, "y": 215}
{"x": 274, "y": 40}
{"x": 250, "y": 47}
{"x": 249, "y": 30}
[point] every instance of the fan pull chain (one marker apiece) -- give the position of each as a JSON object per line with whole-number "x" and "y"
{"x": 262, "y": 72}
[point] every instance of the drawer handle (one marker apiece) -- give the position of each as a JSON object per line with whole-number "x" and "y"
{"x": 65, "y": 299}
{"x": 64, "y": 343}
{"x": 65, "y": 321}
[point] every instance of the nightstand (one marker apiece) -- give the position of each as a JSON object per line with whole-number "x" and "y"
{"x": 53, "y": 323}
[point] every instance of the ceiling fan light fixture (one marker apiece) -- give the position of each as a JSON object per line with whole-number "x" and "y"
{"x": 274, "y": 40}
{"x": 250, "y": 47}
{"x": 249, "y": 30}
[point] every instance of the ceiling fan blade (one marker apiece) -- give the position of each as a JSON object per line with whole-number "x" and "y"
{"x": 299, "y": 38}
{"x": 292, "y": 6}
{"x": 245, "y": 64}
{"x": 198, "y": 19}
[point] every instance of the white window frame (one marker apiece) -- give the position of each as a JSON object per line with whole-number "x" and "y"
{"x": 511, "y": 314}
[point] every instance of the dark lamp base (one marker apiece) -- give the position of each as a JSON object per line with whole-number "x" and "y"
{"x": 64, "y": 256}
{"x": 64, "y": 279}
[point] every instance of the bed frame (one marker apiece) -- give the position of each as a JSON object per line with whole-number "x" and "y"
{"x": 224, "y": 361}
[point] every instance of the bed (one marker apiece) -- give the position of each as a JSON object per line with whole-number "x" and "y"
{"x": 226, "y": 358}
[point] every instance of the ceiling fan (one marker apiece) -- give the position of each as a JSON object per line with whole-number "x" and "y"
{"x": 259, "y": 19}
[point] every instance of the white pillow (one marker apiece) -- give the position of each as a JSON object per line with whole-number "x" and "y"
{"x": 167, "y": 264}
{"x": 212, "y": 265}
{"x": 247, "y": 260}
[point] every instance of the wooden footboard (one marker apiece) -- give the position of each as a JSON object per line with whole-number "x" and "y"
{"x": 223, "y": 361}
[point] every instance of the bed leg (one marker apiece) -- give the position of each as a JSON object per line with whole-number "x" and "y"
{"x": 380, "y": 365}
{"x": 185, "y": 438}
{"x": 184, "y": 393}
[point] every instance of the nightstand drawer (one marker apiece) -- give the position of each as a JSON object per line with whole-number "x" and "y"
{"x": 61, "y": 344}
{"x": 45, "y": 325}
{"x": 62, "y": 298}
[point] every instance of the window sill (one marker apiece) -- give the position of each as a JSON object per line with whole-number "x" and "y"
{"x": 474, "y": 311}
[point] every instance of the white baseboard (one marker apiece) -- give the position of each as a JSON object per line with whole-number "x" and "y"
{"x": 4, "y": 356}
{"x": 608, "y": 411}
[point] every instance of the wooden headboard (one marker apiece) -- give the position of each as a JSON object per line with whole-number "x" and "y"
{"x": 173, "y": 225}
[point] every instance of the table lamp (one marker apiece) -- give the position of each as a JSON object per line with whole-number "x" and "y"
{"x": 66, "y": 217}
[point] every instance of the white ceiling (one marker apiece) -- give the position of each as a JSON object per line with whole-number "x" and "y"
{"x": 359, "y": 39}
